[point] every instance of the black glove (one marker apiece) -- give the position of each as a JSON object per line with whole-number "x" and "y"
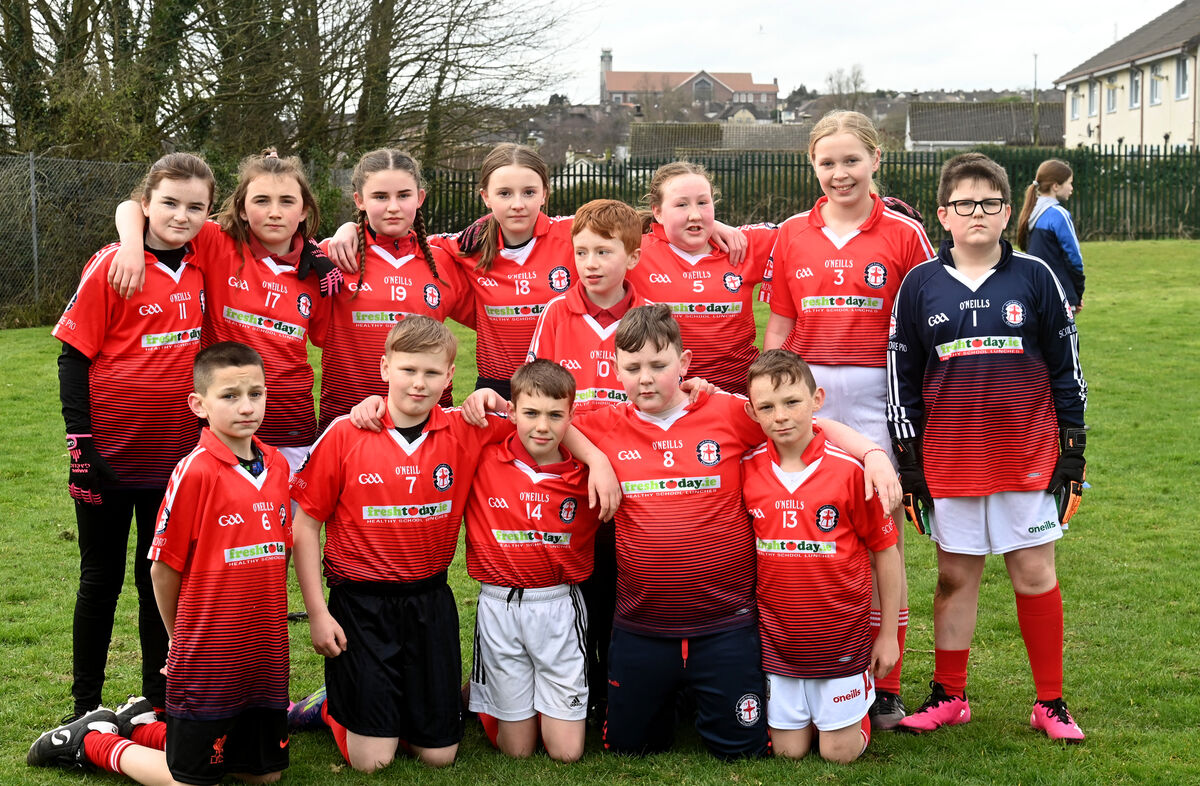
{"x": 313, "y": 260}
{"x": 89, "y": 470}
{"x": 471, "y": 239}
{"x": 918, "y": 502}
{"x": 1066, "y": 484}
{"x": 891, "y": 203}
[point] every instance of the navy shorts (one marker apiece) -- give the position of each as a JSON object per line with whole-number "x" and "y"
{"x": 723, "y": 671}
{"x": 254, "y": 742}
{"x": 401, "y": 673}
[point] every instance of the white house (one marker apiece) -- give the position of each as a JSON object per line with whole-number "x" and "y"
{"x": 1142, "y": 89}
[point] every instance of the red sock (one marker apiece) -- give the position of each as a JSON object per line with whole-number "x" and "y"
{"x": 1041, "y": 621}
{"x": 104, "y": 750}
{"x": 891, "y": 682}
{"x": 151, "y": 735}
{"x": 950, "y": 669}
{"x": 491, "y": 727}
{"x": 865, "y": 729}
{"x": 339, "y": 731}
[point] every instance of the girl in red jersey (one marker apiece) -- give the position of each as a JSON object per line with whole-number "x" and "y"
{"x": 403, "y": 276}
{"x": 124, "y": 377}
{"x": 835, "y": 272}
{"x": 256, "y": 260}
{"x": 683, "y": 265}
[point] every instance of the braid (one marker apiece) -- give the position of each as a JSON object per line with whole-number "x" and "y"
{"x": 419, "y": 229}
{"x": 491, "y": 245}
{"x": 362, "y": 249}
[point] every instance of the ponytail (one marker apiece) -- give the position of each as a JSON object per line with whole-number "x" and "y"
{"x": 1031, "y": 198}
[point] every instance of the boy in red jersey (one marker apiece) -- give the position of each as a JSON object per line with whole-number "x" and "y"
{"x": 219, "y": 551}
{"x": 576, "y": 329}
{"x": 391, "y": 502}
{"x": 529, "y": 542}
{"x": 813, "y": 532}
{"x": 685, "y": 550}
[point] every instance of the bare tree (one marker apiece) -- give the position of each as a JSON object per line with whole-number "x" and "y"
{"x": 848, "y": 87}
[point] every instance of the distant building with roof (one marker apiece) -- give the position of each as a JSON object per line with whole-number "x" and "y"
{"x": 1142, "y": 89}
{"x": 935, "y": 125}
{"x": 701, "y": 87}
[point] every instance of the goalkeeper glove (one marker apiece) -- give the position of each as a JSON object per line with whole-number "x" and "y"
{"x": 471, "y": 239}
{"x": 89, "y": 470}
{"x": 1066, "y": 484}
{"x": 313, "y": 260}
{"x": 918, "y": 502}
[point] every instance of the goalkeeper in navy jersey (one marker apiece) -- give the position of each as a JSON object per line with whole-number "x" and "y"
{"x": 986, "y": 404}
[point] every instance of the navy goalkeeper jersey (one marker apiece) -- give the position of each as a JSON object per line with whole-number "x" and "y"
{"x": 985, "y": 372}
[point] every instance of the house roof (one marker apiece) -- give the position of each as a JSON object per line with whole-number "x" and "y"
{"x": 1010, "y": 122}
{"x": 635, "y": 81}
{"x": 1180, "y": 26}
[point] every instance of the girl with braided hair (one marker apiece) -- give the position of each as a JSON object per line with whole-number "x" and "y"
{"x": 399, "y": 274}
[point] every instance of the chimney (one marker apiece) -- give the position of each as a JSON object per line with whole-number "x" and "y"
{"x": 605, "y": 67}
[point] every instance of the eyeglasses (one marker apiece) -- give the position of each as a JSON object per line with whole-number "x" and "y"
{"x": 966, "y": 207}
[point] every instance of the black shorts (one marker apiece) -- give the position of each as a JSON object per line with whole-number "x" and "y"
{"x": 723, "y": 671}
{"x": 401, "y": 673}
{"x": 254, "y": 742}
{"x": 501, "y": 386}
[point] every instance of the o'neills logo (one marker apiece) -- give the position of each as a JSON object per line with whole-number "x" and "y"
{"x": 171, "y": 339}
{"x": 670, "y": 485}
{"x": 796, "y": 546}
{"x": 533, "y": 536}
{"x": 980, "y": 345}
{"x": 834, "y": 302}
{"x": 401, "y": 512}
{"x": 514, "y": 312}
{"x": 263, "y": 323}
{"x": 257, "y": 551}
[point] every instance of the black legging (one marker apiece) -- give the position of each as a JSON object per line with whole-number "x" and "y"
{"x": 103, "y": 552}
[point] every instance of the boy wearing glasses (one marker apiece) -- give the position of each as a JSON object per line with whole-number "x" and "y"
{"x": 986, "y": 402}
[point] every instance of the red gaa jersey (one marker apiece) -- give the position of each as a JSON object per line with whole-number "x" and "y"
{"x": 713, "y": 301}
{"x": 570, "y": 336}
{"x": 395, "y": 282}
{"x": 813, "y": 530}
{"x": 261, "y": 302}
{"x": 510, "y": 296}
{"x": 685, "y": 548}
{"x": 840, "y": 289}
{"x": 392, "y": 508}
{"x": 227, "y": 532}
{"x": 529, "y": 526}
{"x": 141, "y": 374}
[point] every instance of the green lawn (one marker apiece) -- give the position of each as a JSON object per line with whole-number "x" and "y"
{"x": 1127, "y": 570}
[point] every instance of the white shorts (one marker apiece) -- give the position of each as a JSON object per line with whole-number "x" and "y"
{"x": 995, "y": 524}
{"x": 832, "y": 704}
{"x": 857, "y": 397}
{"x": 295, "y": 457}
{"x": 530, "y": 653}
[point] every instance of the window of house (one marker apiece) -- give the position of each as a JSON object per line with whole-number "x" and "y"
{"x": 1092, "y": 108}
{"x": 1074, "y": 106}
{"x": 1135, "y": 88}
{"x": 1156, "y": 80}
{"x": 702, "y": 90}
{"x": 1110, "y": 97}
{"x": 1181, "y": 77}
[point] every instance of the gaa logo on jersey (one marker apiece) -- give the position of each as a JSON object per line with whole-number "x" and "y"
{"x": 568, "y": 509}
{"x": 443, "y": 476}
{"x": 433, "y": 296}
{"x": 162, "y": 521}
{"x": 892, "y": 326}
{"x": 749, "y": 709}
{"x": 875, "y": 275}
{"x": 304, "y": 305}
{"x": 1014, "y": 313}
{"x": 732, "y": 281}
{"x": 203, "y": 303}
{"x": 708, "y": 452}
{"x": 282, "y": 517}
{"x": 560, "y": 279}
{"x": 827, "y": 518}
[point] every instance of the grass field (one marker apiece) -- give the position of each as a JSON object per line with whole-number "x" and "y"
{"x": 1127, "y": 569}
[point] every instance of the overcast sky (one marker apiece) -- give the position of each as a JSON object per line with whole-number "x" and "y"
{"x": 901, "y": 44}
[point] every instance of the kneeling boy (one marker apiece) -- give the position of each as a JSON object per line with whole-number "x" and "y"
{"x": 813, "y": 531}
{"x": 219, "y": 551}
{"x": 529, "y": 542}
